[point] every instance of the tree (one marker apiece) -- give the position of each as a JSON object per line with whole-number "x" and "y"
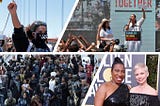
{"x": 152, "y": 63}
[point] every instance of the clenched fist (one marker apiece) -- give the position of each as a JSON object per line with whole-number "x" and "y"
{"x": 12, "y": 7}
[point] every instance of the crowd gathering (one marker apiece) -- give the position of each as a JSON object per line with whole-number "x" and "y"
{"x": 79, "y": 43}
{"x": 63, "y": 80}
{"x": 105, "y": 41}
{"x": 45, "y": 80}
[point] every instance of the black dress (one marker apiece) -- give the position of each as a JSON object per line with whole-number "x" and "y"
{"x": 119, "y": 97}
{"x": 143, "y": 100}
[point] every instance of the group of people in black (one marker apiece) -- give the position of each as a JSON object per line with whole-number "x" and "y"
{"x": 44, "y": 80}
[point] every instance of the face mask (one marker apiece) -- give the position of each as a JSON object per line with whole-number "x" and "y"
{"x": 42, "y": 36}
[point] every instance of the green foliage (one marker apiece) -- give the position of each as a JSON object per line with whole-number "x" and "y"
{"x": 152, "y": 63}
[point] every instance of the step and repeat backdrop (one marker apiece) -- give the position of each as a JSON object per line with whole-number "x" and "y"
{"x": 129, "y": 60}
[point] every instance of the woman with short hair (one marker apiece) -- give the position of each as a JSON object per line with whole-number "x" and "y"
{"x": 143, "y": 94}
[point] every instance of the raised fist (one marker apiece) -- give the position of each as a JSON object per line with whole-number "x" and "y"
{"x": 143, "y": 10}
{"x": 12, "y": 7}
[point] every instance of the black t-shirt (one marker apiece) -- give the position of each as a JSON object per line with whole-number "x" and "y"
{"x": 20, "y": 40}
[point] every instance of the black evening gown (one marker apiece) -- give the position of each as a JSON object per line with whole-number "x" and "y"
{"x": 118, "y": 98}
{"x": 137, "y": 99}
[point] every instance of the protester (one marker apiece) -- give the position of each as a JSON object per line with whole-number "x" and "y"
{"x": 34, "y": 38}
{"x": 58, "y": 84}
{"x": 134, "y": 25}
{"x": 24, "y": 100}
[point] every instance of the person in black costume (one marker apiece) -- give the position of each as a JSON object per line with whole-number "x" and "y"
{"x": 114, "y": 92}
{"x": 143, "y": 94}
{"x": 35, "y": 37}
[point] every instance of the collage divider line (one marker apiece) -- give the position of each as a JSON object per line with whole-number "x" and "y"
{"x": 65, "y": 26}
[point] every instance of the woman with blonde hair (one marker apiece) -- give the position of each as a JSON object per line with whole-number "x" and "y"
{"x": 143, "y": 94}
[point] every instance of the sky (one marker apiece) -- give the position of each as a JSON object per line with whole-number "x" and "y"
{"x": 27, "y": 13}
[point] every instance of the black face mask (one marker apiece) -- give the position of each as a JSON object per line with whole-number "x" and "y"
{"x": 41, "y": 36}
{"x": 40, "y": 40}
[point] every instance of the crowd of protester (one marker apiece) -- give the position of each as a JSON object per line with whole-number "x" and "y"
{"x": 6, "y": 44}
{"x": 78, "y": 43}
{"x": 45, "y": 80}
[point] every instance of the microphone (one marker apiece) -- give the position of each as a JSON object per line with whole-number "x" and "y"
{"x": 130, "y": 19}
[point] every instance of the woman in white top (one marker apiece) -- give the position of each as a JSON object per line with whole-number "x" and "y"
{"x": 25, "y": 86}
{"x": 104, "y": 35}
{"x": 134, "y": 25}
{"x": 105, "y": 31}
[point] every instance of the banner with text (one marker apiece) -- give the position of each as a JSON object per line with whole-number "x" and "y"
{"x": 121, "y": 10}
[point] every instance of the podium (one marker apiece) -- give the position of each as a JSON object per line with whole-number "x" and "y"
{"x": 133, "y": 35}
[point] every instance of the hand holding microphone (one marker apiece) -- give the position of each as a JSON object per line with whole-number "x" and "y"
{"x": 130, "y": 19}
{"x": 127, "y": 25}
